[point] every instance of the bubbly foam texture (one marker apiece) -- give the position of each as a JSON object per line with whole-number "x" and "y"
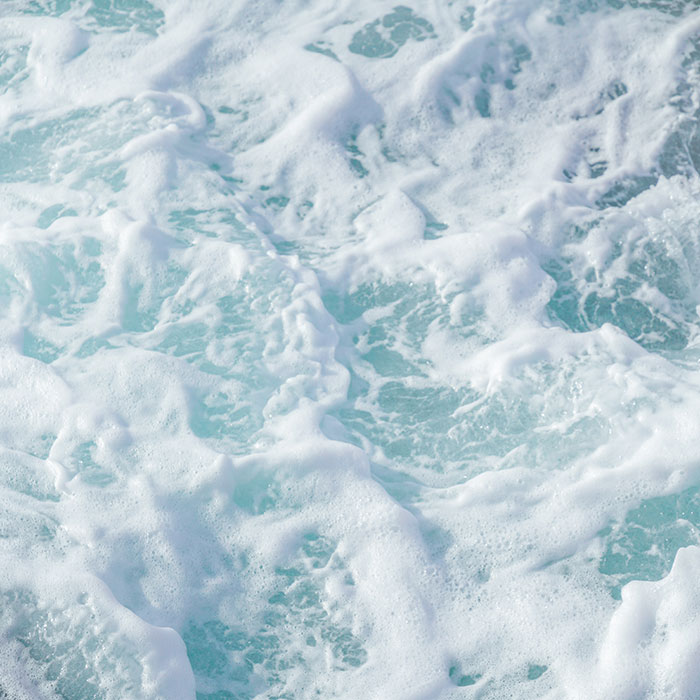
{"x": 349, "y": 350}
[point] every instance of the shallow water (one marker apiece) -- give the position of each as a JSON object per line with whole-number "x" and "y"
{"x": 349, "y": 349}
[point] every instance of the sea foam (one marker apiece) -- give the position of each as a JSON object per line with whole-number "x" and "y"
{"x": 349, "y": 349}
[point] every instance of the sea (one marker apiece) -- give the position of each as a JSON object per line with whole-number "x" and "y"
{"x": 349, "y": 349}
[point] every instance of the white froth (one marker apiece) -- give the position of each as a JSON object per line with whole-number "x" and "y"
{"x": 331, "y": 368}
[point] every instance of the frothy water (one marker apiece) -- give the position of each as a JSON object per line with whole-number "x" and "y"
{"x": 349, "y": 349}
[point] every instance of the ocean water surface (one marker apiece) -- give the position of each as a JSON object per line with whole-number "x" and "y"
{"x": 349, "y": 349}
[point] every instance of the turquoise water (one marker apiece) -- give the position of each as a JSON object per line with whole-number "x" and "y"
{"x": 349, "y": 350}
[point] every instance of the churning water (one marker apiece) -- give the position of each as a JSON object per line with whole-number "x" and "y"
{"x": 349, "y": 349}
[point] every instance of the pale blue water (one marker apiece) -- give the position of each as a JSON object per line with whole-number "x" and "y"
{"x": 349, "y": 350}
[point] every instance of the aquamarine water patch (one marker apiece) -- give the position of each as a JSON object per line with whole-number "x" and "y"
{"x": 617, "y": 306}
{"x": 465, "y": 432}
{"x": 489, "y": 687}
{"x": 146, "y": 295}
{"x": 644, "y": 545}
{"x": 39, "y": 348}
{"x": 462, "y": 680}
{"x": 224, "y": 343}
{"x": 52, "y": 8}
{"x": 443, "y": 433}
{"x": 27, "y": 153}
{"x": 65, "y": 654}
{"x": 66, "y": 279}
{"x": 52, "y": 213}
{"x": 213, "y": 223}
{"x": 466, "y": 19}
{"x": 61, "y": 281}
{"x": 258, "y": 492}
{"x": 482, "y": 102}
{"x": 79, "y": 147}
{"x": 294, "y": 631}
{"x": 681, "y": 152}
{"x": 26, "y": 475}
{"x": 230, "y": 416}
{"x": 126, "y": 15}
{"x": 625, "y": 190}
{"x": 356, "y": 157}
{"x": 643, "y": 284}
{"x": 102, "y": 15}
{"x": 13, "y": 64}
{"x": 323, "y": 48}
{"x": 521, "y": 54}
{"x": 88, "y": 468}
{"x": 383, "y": 37}
{"x": 91, "y": 346}
{"x": 185, "y": 339}
{"x": 534, "y": 671}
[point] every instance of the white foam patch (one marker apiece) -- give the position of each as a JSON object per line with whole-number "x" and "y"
{"x": 651, "y": 641}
